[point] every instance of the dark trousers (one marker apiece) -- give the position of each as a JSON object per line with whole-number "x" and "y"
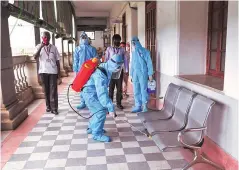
{"x": 49, "y": 83}
{"x": 118, "y": 84}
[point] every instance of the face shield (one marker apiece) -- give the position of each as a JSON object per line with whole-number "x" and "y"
{"x": 84, "y": 39}
{"x": 117, "y": 72}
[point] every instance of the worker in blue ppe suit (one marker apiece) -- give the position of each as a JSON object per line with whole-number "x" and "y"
{"x": 82, "y": 53}
{"x": 141, "y": 70}
{"x": 95, "y": 94}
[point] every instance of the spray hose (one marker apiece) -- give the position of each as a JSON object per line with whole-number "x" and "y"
{"x": 68, "y": 98}
{"x": 115, "y": 115}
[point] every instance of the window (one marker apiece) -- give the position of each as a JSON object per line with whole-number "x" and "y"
{"x": 91, "y": 34}
{"x": 217, "y": 31}
{"x": 150, "y": 20}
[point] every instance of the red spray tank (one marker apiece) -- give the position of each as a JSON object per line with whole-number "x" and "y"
{"x": 84, "y": 74}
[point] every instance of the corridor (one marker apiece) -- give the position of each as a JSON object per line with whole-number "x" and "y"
{"x": 61, "y": 142}
{"x": 192, "y": 44}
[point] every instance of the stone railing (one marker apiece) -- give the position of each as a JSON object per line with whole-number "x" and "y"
{"x": 19, "y": 63}
{"x": 23, "y": 90}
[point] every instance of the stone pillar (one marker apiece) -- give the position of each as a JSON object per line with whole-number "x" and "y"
{"x": 70, "y": 59}
{"x": 53, "y": 38}
{"x": 65, "y": 52}
{"x": 59, "y": 81}
{"x": 13, "y": 112}
{"x": 64, "y": 72}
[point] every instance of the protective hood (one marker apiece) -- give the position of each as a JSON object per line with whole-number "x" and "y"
{"x": 84, "y": 41}
{"x": 138, "y": 46}
{"x": 113, "y": 64}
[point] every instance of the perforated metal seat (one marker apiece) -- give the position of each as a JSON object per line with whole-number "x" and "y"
{"x": 179, "y": 118}
{"x": 168, "y": 108}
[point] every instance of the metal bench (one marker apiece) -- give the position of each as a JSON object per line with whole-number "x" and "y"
{"x": 179, "y": 118}
{"x": 168, "y": 106}
{"x": 192, "y": 136}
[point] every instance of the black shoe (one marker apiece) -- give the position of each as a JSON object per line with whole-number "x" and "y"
{"x": 120, "y": 106}
{"x": 48, "y": 110}
{"x": 55, "y": 112}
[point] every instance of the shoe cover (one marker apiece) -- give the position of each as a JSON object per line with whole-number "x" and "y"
{"x": 101, "y": 138}
{"x": 136, "y": 109}
{"x": 81, "y": 106}
{"x": 89, "y": 131}
{"x": 145, "y": 108}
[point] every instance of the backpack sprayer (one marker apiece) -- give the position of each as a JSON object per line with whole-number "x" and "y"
{"x": 87, "y": 69}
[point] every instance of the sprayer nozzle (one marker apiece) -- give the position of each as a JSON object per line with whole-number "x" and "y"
{"x": 95, "y": 60}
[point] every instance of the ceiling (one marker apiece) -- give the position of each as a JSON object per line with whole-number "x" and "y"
{"x": 93, "y": 6}
{"x": 92, "y": 15}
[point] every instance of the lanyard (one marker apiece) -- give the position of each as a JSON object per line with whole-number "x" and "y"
{"x": 47, "y": 51}
{"x": 117, "y": 50}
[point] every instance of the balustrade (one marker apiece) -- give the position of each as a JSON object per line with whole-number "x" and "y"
{"x": 19, "y": 63}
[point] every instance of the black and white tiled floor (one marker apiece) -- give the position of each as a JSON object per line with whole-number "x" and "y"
{"x": 61, "y": 143}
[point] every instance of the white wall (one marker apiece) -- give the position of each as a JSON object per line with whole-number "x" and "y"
{"x": 141, "y": 22}
{"x": 231, "y": 84}
{"x": 98, "y": 42}
{"x": 193, "y": 37}
{"x": 167, "y": 37}
{"x": 117, "y": 11}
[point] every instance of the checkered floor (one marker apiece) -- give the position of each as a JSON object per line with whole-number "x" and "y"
{"x": 60, "y": 142}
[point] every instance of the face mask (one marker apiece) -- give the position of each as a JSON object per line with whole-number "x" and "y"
{"x": 84, "y": 41}
{"x": 117, "y": 44}
{"x": 44, "y": 40}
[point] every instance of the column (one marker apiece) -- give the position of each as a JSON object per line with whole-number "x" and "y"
{"x": 64, "y": 71}
{"x": 70, "y": 58}
{"x": 13, "y": 112}
{"x": 66, "y": 56}
{"x": 59, "y": 81}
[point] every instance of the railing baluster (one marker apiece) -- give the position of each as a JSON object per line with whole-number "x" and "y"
{"x": 25, "y": 77}
{"x": 21, "y": 77}
{"x": 17, "y": 79}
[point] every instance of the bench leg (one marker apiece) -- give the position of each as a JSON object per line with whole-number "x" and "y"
{"x": 199, "y": 158}
{"x": 207, "y": 161}
{"x": 193, "y": 162}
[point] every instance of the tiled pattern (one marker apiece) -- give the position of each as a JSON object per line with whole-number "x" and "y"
{"x": 60, "y": 142}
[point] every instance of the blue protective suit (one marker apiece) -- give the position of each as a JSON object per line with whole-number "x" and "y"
{"x": 141, "y": 69}
{"x": 82, "y": 53}
{"x": 95, "y": 94}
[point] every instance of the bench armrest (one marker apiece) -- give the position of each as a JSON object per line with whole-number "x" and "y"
{"x": 181, "y": 133}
